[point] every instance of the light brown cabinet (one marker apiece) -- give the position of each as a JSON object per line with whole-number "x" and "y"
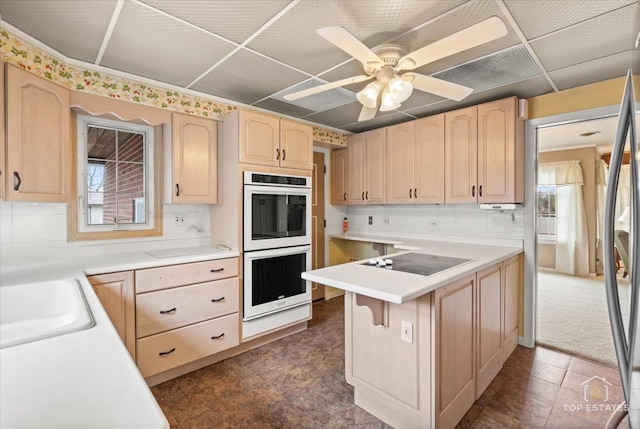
{"x": 415, "y": 162}
{"x": 367, "y": 172}
{"x": 511, "y": 299}
{"x": 270, "y": 141}
{"x": 38, "y": 154}
{"x": 485, "y": 154}
{"x": 489, "y": 311}
{"x": 339, "y": 173}
{"x": 117, "y": 295}
{"x": 185, "y": 312}
{"x": 194, "y": 155}
{"x": 454, "y": 313}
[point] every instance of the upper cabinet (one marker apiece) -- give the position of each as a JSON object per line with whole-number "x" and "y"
{"x": 415, "y": 162}
{"x": 38, "y": 150}
{"x": 367, "y": 171}
{"x": 500, "y": 152}
{"x": 485, "y": 154}
{"x": 339, "y": 177}
{"x": 270, "y": 141}
{"x": 194, "y": 160}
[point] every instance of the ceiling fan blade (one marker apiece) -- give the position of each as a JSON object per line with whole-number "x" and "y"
{"x": 476, "y": 35}
{"x": 325, "y": 87}
{"x": 438, "y": 87}
{"x": 367, "y": 113}
{"x": 346, "y": 41}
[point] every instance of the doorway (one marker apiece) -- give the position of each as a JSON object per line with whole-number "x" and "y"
{"x": 317, "y": 220}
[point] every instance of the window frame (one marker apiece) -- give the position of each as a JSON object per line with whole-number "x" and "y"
{"x": 547, "y": 238}
{"x": 78, "y": 229}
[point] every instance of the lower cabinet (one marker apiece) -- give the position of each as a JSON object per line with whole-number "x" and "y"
{"x": 116, "y": 294}
{"x": 178, "y": 322}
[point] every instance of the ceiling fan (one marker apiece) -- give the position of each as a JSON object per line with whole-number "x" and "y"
{"x": 385, "y": 62}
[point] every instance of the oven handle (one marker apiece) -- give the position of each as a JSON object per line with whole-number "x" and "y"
{"x": 278, "y": 190}
{"x": 282, "y": 251}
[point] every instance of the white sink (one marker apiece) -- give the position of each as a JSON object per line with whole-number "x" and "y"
{"x": 35, "y": 311}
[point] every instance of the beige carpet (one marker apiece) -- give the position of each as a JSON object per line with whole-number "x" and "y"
{"x": 573, "y": 317}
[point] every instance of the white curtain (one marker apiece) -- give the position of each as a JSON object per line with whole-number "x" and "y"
{"x": 572, "y": 240}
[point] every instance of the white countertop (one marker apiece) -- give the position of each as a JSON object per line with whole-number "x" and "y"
{"x": 399, "y": 287}
{"x": 84, "y": 379}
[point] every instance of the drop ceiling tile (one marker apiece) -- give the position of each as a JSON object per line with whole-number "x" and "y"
{"x": 236, "y": 20}
{"x": 597, "y": 70}
{"x": 337, "y": 117}
{"x": 536, "y": 18}
{"x": 247, "y": 77}
{"x": 463, "y": 17}
{"x": 281, "y": 107}
{"x": 293, "y": 39}
{"x": 599, "y": 37}
{"x": 149, "y": 44}
{"x": 74, "y": 28}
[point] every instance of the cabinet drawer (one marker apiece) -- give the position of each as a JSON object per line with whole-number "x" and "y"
{"x": 170, "y": 349}
{"x": 185, "y": 274}
{"x": 172, "y": 308}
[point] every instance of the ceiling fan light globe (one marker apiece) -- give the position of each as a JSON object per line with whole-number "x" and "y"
{"x": 387, "y": 102}
{"x": 400, "y": 89}
{"x": 369, "y": 95}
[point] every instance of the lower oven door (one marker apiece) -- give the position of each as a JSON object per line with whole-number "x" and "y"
{"x": 273, "y": 282}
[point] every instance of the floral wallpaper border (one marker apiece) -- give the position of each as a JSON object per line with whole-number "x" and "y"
{"x": 24, "y": 55}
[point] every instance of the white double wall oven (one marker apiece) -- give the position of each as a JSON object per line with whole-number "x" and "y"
{"x": 277, "y": 249}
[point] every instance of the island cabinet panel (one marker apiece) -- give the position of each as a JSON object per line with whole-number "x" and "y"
{"x": 489, "y": 305}
{"x": 511, "y": 289}
{"x": 454, "y": 321}
{"x": 339, "y": 177}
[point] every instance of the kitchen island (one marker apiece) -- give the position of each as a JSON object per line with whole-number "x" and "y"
{"x": 420, "y": 349}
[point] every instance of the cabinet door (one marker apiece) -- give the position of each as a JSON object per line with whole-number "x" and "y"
{"x": 461, "y": 150}
{"x": 296, "y": 145}
{"x": 496, "y": 151}
{"x": 454, "y": 315}
{"x": 489, "y": 326}
{"x": 511, "y": 290}
{"x": 195, "y": 160}
{"x": 339, "y": 177}
{"x": 400, "y": 163}
{"x": 116, "y": 293}
{"x": 38, "y": 139}
{"x": 428, "y": 176}
{"x": 356, "y": 169}
{"x": 375, "y": 167}
{"x": 259, "y": 139}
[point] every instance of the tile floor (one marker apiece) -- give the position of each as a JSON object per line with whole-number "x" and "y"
{"x": 298, "y": 382}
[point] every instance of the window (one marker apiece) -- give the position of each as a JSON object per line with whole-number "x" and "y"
{"x": 546, "y": 213}
{"x": 115, "y": 178}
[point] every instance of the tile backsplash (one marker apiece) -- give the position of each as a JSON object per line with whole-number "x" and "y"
{"x": 38, "y": 225}
{"x": 451, "y": 219}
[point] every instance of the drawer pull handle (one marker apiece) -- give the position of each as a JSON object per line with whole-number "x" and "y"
{"x": 167, "y": 353}
{"x": 217, "y": 270}
{"x": 218, "y": 337}
{"x": 217, "y": 300}
{"x": 173, "y": 310}
{"x": 16, "y": 187}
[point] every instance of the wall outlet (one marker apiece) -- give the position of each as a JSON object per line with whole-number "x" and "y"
{"x": 370, "y": 220}
{"x": 386, "y": 220}
{"x": 180, "y": 219}
{"x": 406, "y": 333}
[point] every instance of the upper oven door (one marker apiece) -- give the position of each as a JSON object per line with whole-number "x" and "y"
{"x": 276, "y": 216}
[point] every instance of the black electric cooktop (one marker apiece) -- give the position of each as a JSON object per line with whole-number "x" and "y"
{"x": 418, "y": 263}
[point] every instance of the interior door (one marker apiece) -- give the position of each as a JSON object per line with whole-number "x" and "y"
{"x": 317, "y": 221}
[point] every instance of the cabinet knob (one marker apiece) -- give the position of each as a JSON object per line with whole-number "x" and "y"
{"x": 217, "y": 337}
{"x": 344, "y": 197}
{"x": 480, "y": 190}
{"x": 167, "y": 353}
{"x": 410, "y": 193}
{"x": 362, "y": 195}
{"x": 173, "y": 310}
{"x": 367, "y": 195}
{"x": 473, "y": 191}
{"x": 18, "y": 181}
{"x": 217, "y": 270}
{"x": 217, "y": 299}
{"x": 177, "y": 190}
{"x": 284, "y": 154}
{"x": 415, "y": 192}
{"x": 277, "y": 153}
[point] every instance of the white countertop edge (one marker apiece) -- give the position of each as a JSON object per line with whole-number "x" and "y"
{"x": 413, "y": 242}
